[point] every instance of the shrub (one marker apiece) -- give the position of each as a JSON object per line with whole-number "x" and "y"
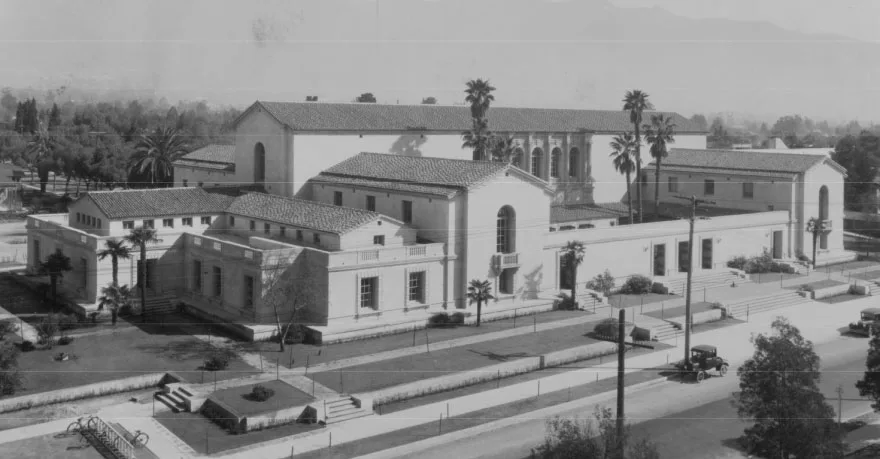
{"x": 27, "y": 346}
{"x": 716, "y": 305}
{"x": 607, "y": 328}
{"x": 807, "y": 288}
{"x": 738, "y": 262}
{"x": 216, "y": 362}
{"x": 439, "y": 320}
{"x": 261, "y": 393}
{"x": 565, "y": 302}
{"x": 46, "y": 330}
{"x": 457, "y": 318}
{"x": 6, "y": 328}
{"x": 659, "y": 288}
{"x": 637, "y": 285}
{"x": 65, "y": 340}
{"x": 800, "y": 256}
{"x": 602, "y": 283}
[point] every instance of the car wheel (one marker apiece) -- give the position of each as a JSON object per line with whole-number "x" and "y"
{"x": 701, "y": 375}
{"x": 723, "y": 369}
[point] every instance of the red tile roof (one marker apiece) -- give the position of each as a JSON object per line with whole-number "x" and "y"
{"x": 157, "y": 202}
{"x": 739, "y": 160}
{"x": 301, "y": 213}
{"x": 220, "y": 157}
{"x": 311, "y": 116}
{"x": 583, "y": 212}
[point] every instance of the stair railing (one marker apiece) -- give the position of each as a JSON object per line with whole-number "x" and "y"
{"x": 111, "y": 438}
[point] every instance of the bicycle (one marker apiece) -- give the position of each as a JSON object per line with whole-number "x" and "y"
{"x": 140, "y": 439}
{"x": 81, "y": 425}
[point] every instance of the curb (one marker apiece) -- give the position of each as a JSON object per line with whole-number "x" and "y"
{"x": 860, "y": 236}
{"x": 412, "y": 448}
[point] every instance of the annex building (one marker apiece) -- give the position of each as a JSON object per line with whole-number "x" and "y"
{"x": 383, "y": 240}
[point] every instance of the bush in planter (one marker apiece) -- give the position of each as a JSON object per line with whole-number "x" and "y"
{"x": 65, "y": 340}
{"x": 607, "y": 328}
{"x": 565, "y": 302}
{"x": 441, "y": 319}
{"x": 261, "y": 393}
{"x": 807, "y": 288}
{"x": 456, "y": 318}
{"x": 27, "y": 346}
{"x": 738, "y": 262}
{"x": 218, "y": 361}
{"x": 659, "y": 288}
{"x": 602, "y": 283}
{"x": 637, "y": 285}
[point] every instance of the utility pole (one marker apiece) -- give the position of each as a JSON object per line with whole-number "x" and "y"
{"x": 690, "y": 271}
{"x": 621, "y": 331}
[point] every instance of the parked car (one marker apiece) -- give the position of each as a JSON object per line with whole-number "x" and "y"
{"x": 870, "y": 319}
{"x": 704, "y": 358}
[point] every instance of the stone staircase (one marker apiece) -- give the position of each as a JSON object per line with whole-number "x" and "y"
{"x": 744, "y": 308}
{"x": 342, "y": 409}
{"x": 159, "y": 305}
{"x": 176, "y": 397}
{"x": 589, "y": 302}
{"x": 666, "y": 331}
{"x": 874, "y": 288}
{"x": 678, "y": 285}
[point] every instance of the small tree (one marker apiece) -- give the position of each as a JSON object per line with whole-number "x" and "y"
{"x": 115, "y": 298}
{"x": 11, "y": 379}
{"x": 429, "y": 101}
{"x": 366, "y": 98}
{"x": 55, "y": 266}
{"x": 116, "y": 250}
{"x": 582, "y": 439}
{"x": 779, "y": 392}
{"x": 574, "y": 257}
{"x": 479, "y": 292}
{"x": 869, "y": 385}
{"x": 287, "y": 294}
{"x": 47, "y": 329}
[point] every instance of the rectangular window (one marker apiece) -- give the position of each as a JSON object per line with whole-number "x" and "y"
{"x": 84, "y": 266}
{"x": 253, "y": 225}
{"x": 379, "y": 240}
{"x": 89, "y": 221}
{"x": 417, "y": 287}
{"x": 709, "y": 187}
{"x": 99, "y": 223}
{"x": 197, "y": 276}
{"x": 368, "y": 292}
{"x": 316, "y": 238}
{"x": 371, "y": 203}
{"x": 187, "y": 221}
{"x": 299, "y": 235}
{"x": 248, "y": 291}
{"x": 283, "y": 231}
{"x": 149, "y": 224}
{"x": 337, "y": 198}
{"x": 167, "y": 223}
{"x": 218, "y": 281}
{"x": 206, "y": 220}
{"x": 185, "y": 182}
{"x": 78, "y": 217}
{"x": 128, "y": 224}
{"x": 707, "y": 253}
{"x": 231, "y": 221}
{"x": 748, "y": 190}
{"x": 673, "y": 184}
{"x": 267, "y": 228}
{"x": 407, "y": 212}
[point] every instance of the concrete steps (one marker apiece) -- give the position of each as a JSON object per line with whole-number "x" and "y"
{"x": 742, "y": 309}
{"x": 874, "y": 288}
{"x": 705, "y": 281}
{"x": 344, "y": 409}
{"x": 176, "y": 397}
{"x": 159, "y": 305}
{"x": 666, "y": 331}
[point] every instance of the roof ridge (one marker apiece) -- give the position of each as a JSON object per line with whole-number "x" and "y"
{"x": 775, "y": 153}
{"x": 91, "y": 192}
{"x": 309, "y": 201}
{"x": 463, "y": 106}
{"x": 434, "y": 158}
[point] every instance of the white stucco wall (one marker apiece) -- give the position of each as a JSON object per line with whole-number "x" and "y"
{"x": 187, "y": 176}
{"x": 814, "y": 180}
{"x": 776, "y": 192}
{"x": 256, "y": 127}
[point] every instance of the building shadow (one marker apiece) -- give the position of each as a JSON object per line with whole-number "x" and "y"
{"x": 408, "y": 145}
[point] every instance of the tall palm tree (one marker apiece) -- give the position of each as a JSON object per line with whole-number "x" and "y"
{"x": 116, "y": 250}
{"x": 114, "y": 297}
{"x": 155, "y": 153}
{"x": 139, "y": 237}
{"x": 574, "y": 254}
{"x": 636, "y": 102}
{"x": 479, "y": 138}
{"x": 479, "y": 95}
{"x": 479, "y": 292}
{"x": 38, "y": 151}
{"x": 624, "y": 146}
{"x": 659, "y": 134}
{"x": 54, "y": 267}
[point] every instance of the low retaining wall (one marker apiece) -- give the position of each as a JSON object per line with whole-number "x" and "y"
{"x": 226, "y": 417}
{"x": 275, "y": 418}
{"x": 827, "y": 292}
{"x": 711, "y": 315}
{"x": 80, "y": 392}
{"x": 223, "y": 415}
{"x": 490, "y": 373}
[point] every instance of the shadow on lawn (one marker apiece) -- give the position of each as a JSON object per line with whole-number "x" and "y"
{"x": 501, "y": 357}
{"x": 735, "y": 444}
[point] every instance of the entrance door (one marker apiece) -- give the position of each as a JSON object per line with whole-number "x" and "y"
{"x": 777, "y": 244}
{"x": 684, "y": 261}
{"x": 564, "y": 274}
{"x": 707, "y": 253}
{"x": 660, "y": 259}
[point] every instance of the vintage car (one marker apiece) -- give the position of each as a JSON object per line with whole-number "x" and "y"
{"x": 704, "y": 358}
{"x": 869, "y": 320}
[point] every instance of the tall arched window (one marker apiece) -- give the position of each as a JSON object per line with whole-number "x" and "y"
{"x": 537, "y": 158}
{"x": 555, "y": 157}
{"x": 573, "y": 157}
{"x": 505, "y": 241}
{"x": 259, "y": 163}
{"x": 823, "y": 215}
{"x": 518, "y": 155}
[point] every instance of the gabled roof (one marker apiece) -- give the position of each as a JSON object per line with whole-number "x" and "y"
{"x": 438, "y": 176}
{"x": 157, "y": 202}
{"x": 320, "y": 116}
{"x": 745, "y": 161}
{"x": 582, "y": 212}
{"x": 302, "y": 213}
{"x": 220, "y": 157}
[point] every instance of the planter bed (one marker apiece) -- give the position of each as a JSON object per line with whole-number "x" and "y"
{"x": 765, "y": 278}
{"x": 679, "y": 311}
{"x": 627, "y": 300}
{"x": 234, "y": 404}
{"x": 841, "y": 298}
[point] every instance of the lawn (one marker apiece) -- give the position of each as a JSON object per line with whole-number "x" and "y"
{"x": 206, "y": 437}
{"x": 625, "y": 301}
{"x": 393, "y": 372}
{"x": 840, "y": 298}
{"x": 679, "y": 311}
{"x": 150, "y": 348}
{"x": 52, "y": 445}
{"x": 849, "y": 266}
{"x": 300, "y": 354}
{"x": 822, "y": 284}
{"x": 869, "y": 275}
{"x": 286, "y": 396}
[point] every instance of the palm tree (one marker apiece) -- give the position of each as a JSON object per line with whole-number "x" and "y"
{"x": 624, "y": 146}
{"x": 479, "y": 138}
{"x": 116, "y": 250}
{"x": 479, "y": 292}
{"x": 574, "y": 255}
{"x": 503, "y": 149}
{"x": 114, "y": 297}
{"x": 479, "y": 95}
{"x": 38, "y": 151}
{"x": 659, "y": 134}
{"x": 139, "y": 237}
{"x": 636, "y": 102}
{"x": 54, "y": 267}
{"x": 155, "y": 153}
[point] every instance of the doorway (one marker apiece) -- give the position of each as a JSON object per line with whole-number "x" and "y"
{"x": 660, "y": 259}
{"x": 684, "y": 261}
{"x": 777, "y": 244}
{"x": 707, "y": 253}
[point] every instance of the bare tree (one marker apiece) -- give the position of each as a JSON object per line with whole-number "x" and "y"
{"x": 287, "y": 293}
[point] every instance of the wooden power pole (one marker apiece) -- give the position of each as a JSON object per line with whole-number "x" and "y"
{"x": 621, "y": 350}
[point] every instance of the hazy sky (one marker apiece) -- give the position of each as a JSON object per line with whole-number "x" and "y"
{"x": 538, "y": 53}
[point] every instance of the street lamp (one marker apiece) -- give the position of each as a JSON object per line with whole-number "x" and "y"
{"x": 687, "y": 305}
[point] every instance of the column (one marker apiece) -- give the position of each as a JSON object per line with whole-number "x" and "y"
{"x": 548, "y": 152}
{"x": 528, "y": 146}
{"x": 566, "y": 153}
